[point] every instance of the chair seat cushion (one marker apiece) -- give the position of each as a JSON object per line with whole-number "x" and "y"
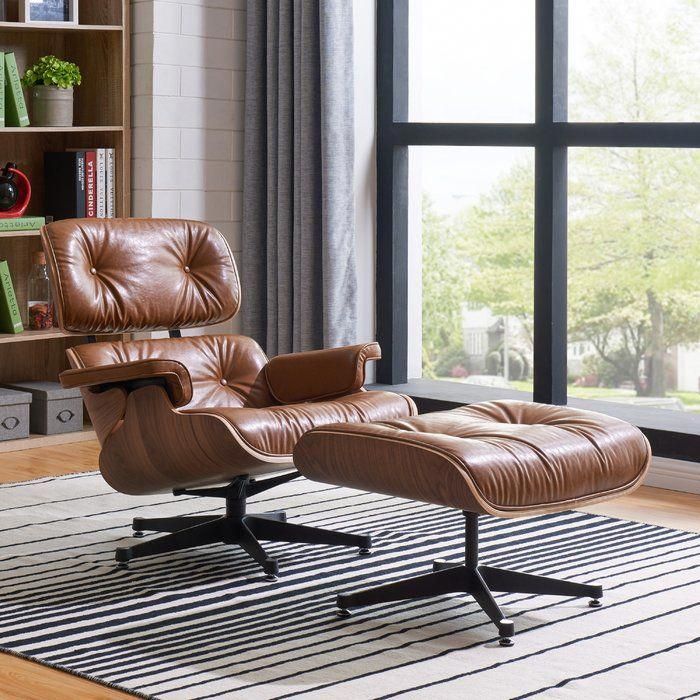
{"x": 506, "y": 458}
{"x": 275, "y": 430}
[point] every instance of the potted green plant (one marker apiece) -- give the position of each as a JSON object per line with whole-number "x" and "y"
{"x": 51, "y": 82}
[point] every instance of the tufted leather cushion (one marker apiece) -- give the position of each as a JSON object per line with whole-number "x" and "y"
{"x": 274, "y": 431}
{"x": 225, "y": 370}
{"x": 126, "y": 275}
{"x": 506, "y": 458}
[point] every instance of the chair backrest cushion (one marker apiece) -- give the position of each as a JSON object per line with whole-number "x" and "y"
{"x": 128, "y": 275}
{"x": 225, "y": 370}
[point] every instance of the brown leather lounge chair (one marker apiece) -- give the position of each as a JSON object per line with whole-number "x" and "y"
{"x": 189, "y": 414}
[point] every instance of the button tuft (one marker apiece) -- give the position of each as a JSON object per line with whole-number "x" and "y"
{"x": 93, "y": 271}
{"x": 224, "y": 382}
{"x": 187, "y": 268}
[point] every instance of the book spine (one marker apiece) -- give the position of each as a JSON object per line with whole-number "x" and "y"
{"x": 15, "y": 106}
{"x": 90, "y": 184}
{"x": 80, "y": 184}
{"x": 2, "y": 89}
{"x": 101, "y": 182}
{"x": 10, "y": 318}
{"x": 111, "y": 184}
{"x": 22, "y": 223}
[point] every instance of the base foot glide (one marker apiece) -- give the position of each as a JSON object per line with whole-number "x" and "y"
{"x": 235, "y": 527}
{"x": 471, "y": 578}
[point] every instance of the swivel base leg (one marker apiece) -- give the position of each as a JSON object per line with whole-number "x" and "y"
{"x": 237, "y": 527}
{"x": 473, "y": 579}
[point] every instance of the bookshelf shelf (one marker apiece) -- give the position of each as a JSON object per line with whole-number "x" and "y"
{"x": 39, "y": 27}
{"x": 101, "y": 47}
{"x": 18, "y": 234}
{"x": 29, "y": 336}
{"x": 35, "y": 440}
{"x": 57, "y": 129}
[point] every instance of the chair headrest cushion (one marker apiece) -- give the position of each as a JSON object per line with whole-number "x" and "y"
{"x": 129, "y": 275}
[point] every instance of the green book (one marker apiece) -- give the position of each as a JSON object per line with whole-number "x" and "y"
{"x": 15, "y": 106}
{"x": 22, "y": 223}
{"x": 2, "y": 89}
{"x": 10, "y": 320}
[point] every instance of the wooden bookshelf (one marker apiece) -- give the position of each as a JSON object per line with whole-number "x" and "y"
{"x": 35, "y": 440}
{"x": 39, "y": 27}
{"x": 100, "y": 46}
{"x": 57, "y": 129}
{"x": 21, "y": 234}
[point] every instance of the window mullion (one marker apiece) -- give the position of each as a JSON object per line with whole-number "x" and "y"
{"x": 550, "y": 325}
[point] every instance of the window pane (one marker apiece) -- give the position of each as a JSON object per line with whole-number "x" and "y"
{"x": 634, "y": 61}
{"x": 634, "y": 276}
{"x": 471, "y": 224}
{"x": 472, "y": 60}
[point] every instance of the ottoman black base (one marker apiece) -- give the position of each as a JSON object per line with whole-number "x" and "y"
{"x": 478, "y": 581}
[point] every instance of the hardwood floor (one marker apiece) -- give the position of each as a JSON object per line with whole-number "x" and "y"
{"x": 25, "y": 680}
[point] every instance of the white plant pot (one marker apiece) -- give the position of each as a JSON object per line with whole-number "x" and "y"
{"x": 52, "y": 105}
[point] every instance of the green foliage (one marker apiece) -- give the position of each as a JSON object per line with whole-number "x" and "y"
{"x": 493, "y": 363}
{"x": 443, "y": 286}
{"x": 610, "y": 373}
{"x": 449, "y": 360}
{"x": 496, "y": 236}
{"x": 49, "y": 70}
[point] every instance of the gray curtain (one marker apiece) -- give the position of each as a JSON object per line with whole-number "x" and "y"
{"x": 298, "y": 263}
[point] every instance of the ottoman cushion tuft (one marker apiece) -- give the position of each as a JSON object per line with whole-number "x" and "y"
{"x": 506, "y": 458}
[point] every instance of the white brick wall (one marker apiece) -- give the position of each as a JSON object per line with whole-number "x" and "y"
{"x": 188, "y": 72}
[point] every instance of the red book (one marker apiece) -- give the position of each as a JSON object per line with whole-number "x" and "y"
{"x": 90, "y": 184}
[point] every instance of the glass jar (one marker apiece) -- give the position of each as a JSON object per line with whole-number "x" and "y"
{"x": 39, "y": 302}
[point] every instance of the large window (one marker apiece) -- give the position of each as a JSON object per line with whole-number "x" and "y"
{"x": 538, "y": 201}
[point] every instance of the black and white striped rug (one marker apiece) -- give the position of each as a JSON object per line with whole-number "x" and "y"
{"x": 203, "y": 624}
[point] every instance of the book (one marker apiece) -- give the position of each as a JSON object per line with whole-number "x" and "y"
{"x": 22, "y": 223}
{"x": 111, "y": 184}
{"x": 101, "y": 183}
{"x": 90, "y": 184}
{"x": 10, "y": 318}
{"x": 64, "y": 178}
{"x": 15, "y": 107}
{"x": 2, "y": 88}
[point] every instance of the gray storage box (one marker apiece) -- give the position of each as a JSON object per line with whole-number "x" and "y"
{"x": 54, "y": 409}
{"x": 14, "y": 414}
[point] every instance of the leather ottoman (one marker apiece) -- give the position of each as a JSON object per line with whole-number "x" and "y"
{"x": 504, "y": 458}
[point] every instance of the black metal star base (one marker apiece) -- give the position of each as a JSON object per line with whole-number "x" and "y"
{"x": 235, "y": 527}
{"x": 473, "y": 579}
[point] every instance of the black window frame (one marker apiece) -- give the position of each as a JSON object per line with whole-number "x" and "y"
{"x": 550, "y": 136}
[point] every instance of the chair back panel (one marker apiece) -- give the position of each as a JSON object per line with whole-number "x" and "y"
{"x": 129, "y": 275}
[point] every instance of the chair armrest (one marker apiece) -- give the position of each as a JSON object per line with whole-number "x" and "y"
{"x": 169, "y": 373}
{"x": 319, "y": 374}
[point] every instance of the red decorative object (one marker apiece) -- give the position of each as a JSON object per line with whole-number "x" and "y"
{"x": 24, "y": 192}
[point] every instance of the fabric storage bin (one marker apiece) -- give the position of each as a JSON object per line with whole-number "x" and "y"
{"x": 14, "y": 414}
{"x": 53, "y": 409}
